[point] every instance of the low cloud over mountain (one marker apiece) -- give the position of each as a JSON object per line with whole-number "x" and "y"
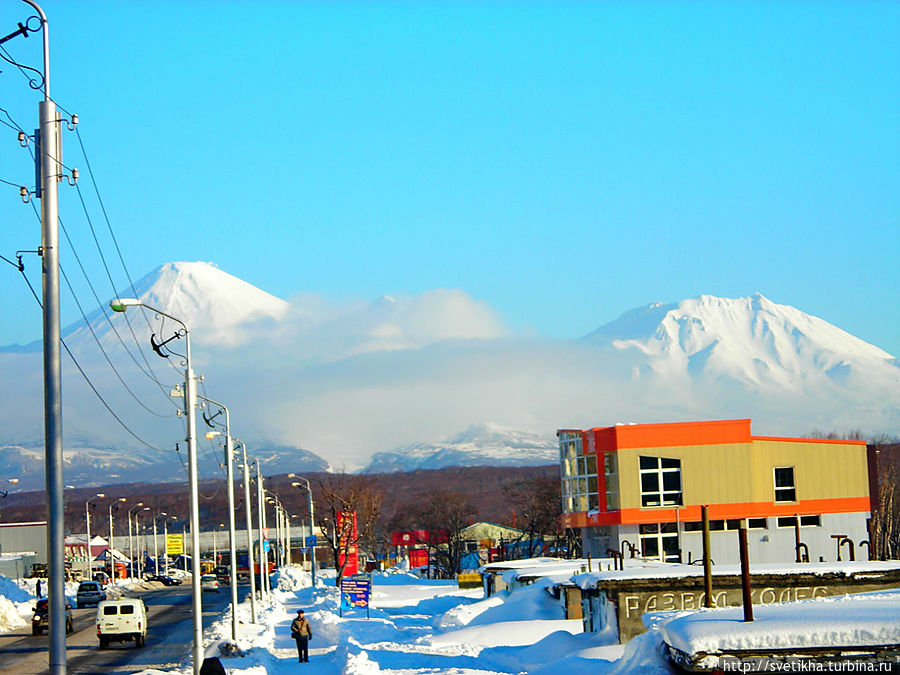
{"x": 396, "y": 375}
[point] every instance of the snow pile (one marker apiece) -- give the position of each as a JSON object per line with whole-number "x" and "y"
{"x": 292, "y": 578}
{"x": 850, "y": 621}
{"x": 16, "y": 601}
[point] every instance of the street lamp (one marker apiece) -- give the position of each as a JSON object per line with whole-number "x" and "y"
{"x": 312, "y": 521}
{"x": 166, "y": 537}
{"x": 137, "y": 526}
{"x": 112, "y": 547}
{"x": 232, "y": 545}
{"x": 263, "y": 531}
{"x": 130, "y": 537}
{"x": 87, "y": 521}
{"x": 155, "y": 553}
{"x": 249, "y": 516}
{"x": 190, "y": 402}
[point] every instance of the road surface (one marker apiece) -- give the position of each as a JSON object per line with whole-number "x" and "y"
{"x": 168, "y": 638}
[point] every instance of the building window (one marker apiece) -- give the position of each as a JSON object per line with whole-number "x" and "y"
{"x": 805, "y": 521}
{"x": 579, "y": 475}
{"x": 785, "y": 490}
{"x": 610, "y": 470}
{"x": 660, "y": 541}
{"x": 660, "y": 481}
{"x": 730, "y": 524}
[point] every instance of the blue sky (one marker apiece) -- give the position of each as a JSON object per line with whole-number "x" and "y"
{"x": 563, "y": 162}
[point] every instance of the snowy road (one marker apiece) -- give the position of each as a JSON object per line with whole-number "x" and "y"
{"x": 168, "y": 640}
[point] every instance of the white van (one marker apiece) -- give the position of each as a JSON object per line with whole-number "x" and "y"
{"x": 122, "y": 620}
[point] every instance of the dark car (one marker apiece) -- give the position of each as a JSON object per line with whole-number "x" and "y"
{"x": 165, "y": 580}
{"x": 41, "y": 619}
{"x": 223, "y": 574}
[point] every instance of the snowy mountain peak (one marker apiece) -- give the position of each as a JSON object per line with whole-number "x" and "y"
{"x": 485, "y": 444}
{"x": 752, "y": 339}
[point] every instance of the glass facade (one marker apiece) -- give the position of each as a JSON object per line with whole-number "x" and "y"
{"x": 578, "y": 469}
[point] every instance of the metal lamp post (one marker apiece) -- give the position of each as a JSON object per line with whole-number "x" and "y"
{"x": 261, "y": 518}
{"x": 112, "y": 547}
{"x": 155, "y": 553}
{"x": 190, "y": 402}
{"x": 130, "y": 535}
{"x": 137, "y": 526}
{"x": 312, "y": 522}
{"x": 249, "y": 515}
{"x": 232, "y": 545}
{"x": 87, "y": 522}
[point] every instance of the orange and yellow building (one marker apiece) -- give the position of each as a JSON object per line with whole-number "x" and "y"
{"x": 643, "y": 485}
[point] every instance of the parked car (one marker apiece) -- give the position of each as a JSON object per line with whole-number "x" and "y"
{"x": 165, "y": 579}
{"x": 208, "y": 582}
{"x": 102, "y": 577}
{"x": 122, "y": 620}
{"x": 41, "y": 619}
{"x": 223, "y": 574}
{"x": 89, "y": 593}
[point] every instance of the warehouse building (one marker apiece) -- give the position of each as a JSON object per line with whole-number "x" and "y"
{"x": 639, "y": 489}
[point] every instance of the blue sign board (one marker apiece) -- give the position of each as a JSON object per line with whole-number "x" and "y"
{"x": 355, "y": 591}
{"x": 311, "y": 541}
{"x": 266, "y": 545}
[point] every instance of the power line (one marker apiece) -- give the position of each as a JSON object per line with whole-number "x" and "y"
{"x": 88, "y": 380}
{"x": 103, "y": 351}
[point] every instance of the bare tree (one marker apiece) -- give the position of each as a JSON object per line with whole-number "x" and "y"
{"x": 342, "y": 495}
{"x": 444, "y": 517}
{"x": 537, "y": 508}
{"x": 886, "y": 517}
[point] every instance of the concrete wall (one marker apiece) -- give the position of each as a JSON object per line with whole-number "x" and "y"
{"x": 24, "y": 538}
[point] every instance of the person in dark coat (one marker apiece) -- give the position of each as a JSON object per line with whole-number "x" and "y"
{"x": 301, "y": 632}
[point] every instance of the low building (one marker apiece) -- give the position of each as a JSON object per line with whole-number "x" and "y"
{"x": 30, "y": 538}
{"x": 639, "y": 489}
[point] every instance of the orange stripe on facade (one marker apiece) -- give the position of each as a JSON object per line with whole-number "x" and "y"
{"x": 808, "y": 507}
{"x": 671, "y": 434}
{"x": 807, "y": 440}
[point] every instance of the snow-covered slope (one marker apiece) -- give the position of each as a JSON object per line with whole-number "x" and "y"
{"x": 479, "y": 445}
{"x": 751, "y": 341}
{"x": 348, "y": 380}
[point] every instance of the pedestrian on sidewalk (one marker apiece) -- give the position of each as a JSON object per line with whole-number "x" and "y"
{"x": 301, "y": 631}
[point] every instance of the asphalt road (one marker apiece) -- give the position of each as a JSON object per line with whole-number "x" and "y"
{"x": 170, "y": 631}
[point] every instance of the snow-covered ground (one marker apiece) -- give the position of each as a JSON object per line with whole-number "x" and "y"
{"x": 417, "y": 627}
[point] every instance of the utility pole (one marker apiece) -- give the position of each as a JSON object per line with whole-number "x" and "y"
{"x": 48, "y": 157}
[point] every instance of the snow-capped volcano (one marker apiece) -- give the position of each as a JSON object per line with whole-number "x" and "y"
{"x": 752, "y": 341}
{"x": 201, "y": 295}
{"x": 348, "y": 380}
{"x": 479, "y": 445}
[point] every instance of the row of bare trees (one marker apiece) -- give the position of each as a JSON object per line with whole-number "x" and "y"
{"x": 534, "y": 507}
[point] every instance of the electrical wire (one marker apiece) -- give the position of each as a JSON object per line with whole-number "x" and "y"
{"x": 109, "y": 227}
{"x": 103, "y": 351}
{"x": 88, "y": 380}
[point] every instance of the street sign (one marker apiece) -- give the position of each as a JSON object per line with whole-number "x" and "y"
{"x": 266, "y": 545}
{"x": 355, "y": 591}
{"x": 311, "y": 541}
{"x": 174, "y": 544}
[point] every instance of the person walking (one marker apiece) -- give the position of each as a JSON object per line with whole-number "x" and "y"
{"x": 302, "y": 633}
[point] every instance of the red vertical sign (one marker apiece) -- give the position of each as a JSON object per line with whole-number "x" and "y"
{"x": 348, "y": 536}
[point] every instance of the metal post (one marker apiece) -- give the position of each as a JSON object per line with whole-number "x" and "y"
{"x": 797, "y": 537}
{"x": 260, "y": 511}
{"x": 190, "y": 403}
{"x": 166, "y": 539}
{"x": 745, "y": 573}
{"x": 130, "y": 544}
{"x": 50, "y": 170}
{"x": 87, "y": 520}
{"x": 707, "y": 560}
{"x": 249, "y": 534}
{"x": 232, "y": 543}
{"x": 155, "y": 550}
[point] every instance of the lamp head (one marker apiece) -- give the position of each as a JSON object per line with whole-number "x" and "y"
{"x": 121, "y": 304}
{"x": 100, "y": 494}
